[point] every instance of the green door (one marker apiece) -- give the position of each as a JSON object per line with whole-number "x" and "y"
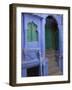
{"x": 51, "y": 33}
{"x": 32, "y": 34}
{"x": 50, "y": 38}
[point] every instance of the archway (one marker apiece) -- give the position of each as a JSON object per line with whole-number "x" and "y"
{"x": 51, "y": 34}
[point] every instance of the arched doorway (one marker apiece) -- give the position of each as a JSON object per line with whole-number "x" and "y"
{"x": 51, "y": 34}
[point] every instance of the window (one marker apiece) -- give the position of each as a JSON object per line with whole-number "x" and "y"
{"x": 32, "y": 33}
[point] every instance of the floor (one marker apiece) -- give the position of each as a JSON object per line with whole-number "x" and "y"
{"x": 53, "y": 68}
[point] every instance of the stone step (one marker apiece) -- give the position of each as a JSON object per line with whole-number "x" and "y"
{"x": 56, "y": 73}
{"x": 50, "y": 51}
{"x": 52, "y": 60}
{"x": 50, "y": 65}
{"x": 51, "y": 56}
{"x": 53, "y": 70}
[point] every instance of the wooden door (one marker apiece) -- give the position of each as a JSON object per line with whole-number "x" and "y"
{"x": 51, "y": 34}
{"x": 50, "y": 38}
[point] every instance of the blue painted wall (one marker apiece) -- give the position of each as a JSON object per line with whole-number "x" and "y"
{"x": 26, "y": 18}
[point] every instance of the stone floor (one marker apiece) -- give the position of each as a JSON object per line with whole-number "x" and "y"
{"x": 53, "y": 68}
